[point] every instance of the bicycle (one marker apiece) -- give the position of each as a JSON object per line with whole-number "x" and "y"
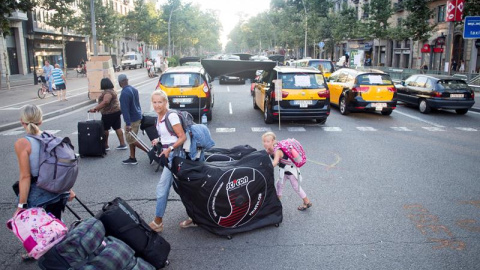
{"x": 43, "y": 90}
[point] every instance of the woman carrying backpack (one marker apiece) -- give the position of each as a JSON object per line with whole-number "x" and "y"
{"x": 171, "y": 147}
{"x": 288, "y": 170}
{"x": 27, "y": 150}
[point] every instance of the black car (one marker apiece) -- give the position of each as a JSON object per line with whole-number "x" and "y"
{"x": 436, "y": 92}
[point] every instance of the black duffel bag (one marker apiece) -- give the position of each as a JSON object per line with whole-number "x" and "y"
{"x": 149, "y": 125}
{"x": 224, "y": 154}
{"x": 122, "y": 222}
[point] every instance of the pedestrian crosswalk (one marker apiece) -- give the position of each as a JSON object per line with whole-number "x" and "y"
{"x": 222, "y": 130}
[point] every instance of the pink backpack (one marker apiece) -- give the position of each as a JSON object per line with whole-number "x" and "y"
{"x": 294, "y": 151}
{"x": 37, "y": 230}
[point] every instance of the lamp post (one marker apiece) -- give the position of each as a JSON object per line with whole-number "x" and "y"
{"x": 94, "y": 28}
{"x": 306, "y": 27}
{"x": 169, "y": 37}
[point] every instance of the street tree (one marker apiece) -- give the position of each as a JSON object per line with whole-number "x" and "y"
{"x": 109, "y": 26}
{"x": 7, "y": 7}
{"x": 62, "y": 19}
{"x": 376, "y": 24}
{"x": 145, "y": 23}
{"x": 418, "y": 26}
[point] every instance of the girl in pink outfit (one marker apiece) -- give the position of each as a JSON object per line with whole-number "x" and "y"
{"x": 287, "y": 170}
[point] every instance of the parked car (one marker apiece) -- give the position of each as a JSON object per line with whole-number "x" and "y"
{"x": 325, "y": 66}
{"x": 189, "y": 88}
{"x": 304, "y": 95}
{"x": 437, "y": 92}
{"x": 132, "y": 60}
{"x": 362, "y": 90}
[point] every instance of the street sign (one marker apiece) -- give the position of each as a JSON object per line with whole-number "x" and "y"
{"x": 321, "y": 44}
{"x": 454, "y": 10}
{"x": 471, "y": 27}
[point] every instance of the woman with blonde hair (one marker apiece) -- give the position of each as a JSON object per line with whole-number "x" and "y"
{"x": 27, "y": 150}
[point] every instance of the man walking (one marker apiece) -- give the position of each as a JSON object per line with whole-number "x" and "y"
{"x": 132, "y": 116}
{"x": 47, "y": 72}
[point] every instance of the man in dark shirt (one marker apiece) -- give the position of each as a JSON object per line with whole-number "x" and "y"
{"x": 132, "y": 116}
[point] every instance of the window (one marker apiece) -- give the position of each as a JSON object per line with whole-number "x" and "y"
{"x": 410, "y": 81}
{"x": 441, "y": 13}
{"x": 421, "y": 82}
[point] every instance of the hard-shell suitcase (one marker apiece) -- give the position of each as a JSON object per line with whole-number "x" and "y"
{"x": 91, "y": 138}
{"x": 124, "y": 223}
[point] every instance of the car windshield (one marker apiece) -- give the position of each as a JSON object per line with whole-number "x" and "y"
{"x": 302, "y": 80}
{"x": 128, "y": 57}
{"x": 181, "y": 79}
{"x": 452, "y": 85}
{"x": 324, "y": 66}
{"x": 374, "y": 79}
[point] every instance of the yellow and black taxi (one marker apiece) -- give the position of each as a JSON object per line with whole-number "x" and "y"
{"x": 289, "y": 93}
{"x": 188, "y": 89}
{"x": 362, "y": 90}
{"x": 437, "y": 92}
{"x": 325, "y": 66}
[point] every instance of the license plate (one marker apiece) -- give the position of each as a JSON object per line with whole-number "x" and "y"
{"x": 182, "y": 100}
{"x": 379, "y": 106}
{"x": 456, "y": 95}
{"x": 303, "y": 103}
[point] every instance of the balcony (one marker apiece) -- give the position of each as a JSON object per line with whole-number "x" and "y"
{"x": 18, "y": 16}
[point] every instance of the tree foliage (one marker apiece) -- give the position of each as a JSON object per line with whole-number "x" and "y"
{"x": 145, "y": 23}
{"x": 379, "y": 12}
{"x": 7, "y": 7}
{"x": 418, "y": 25}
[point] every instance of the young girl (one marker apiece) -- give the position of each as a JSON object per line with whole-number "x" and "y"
{"x": 288, "y": 170}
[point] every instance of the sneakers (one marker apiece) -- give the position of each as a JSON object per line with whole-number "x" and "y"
{"x": 130, "y": 161}
{"x": 122, "y": 147}
{"x": 107, "y": 149}
{"x": 156, "y": 227}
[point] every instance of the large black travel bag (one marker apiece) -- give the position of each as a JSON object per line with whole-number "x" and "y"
{"x": 91, "y": 138}
{"x": 226, "y": 198}
{"x": 225, "y": 154}
{"x": 122, "y": 222}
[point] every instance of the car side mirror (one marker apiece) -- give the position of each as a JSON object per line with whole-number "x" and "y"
{"x": 403, "y": 83}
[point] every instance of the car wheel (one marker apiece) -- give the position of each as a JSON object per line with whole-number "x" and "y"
{"x": 461, "y": 111}
{"x": 423, "y": 107}
{"x": 255, "y": 104}
{"x": 387, "y": 112}
{"x": 267, "y": 115}
{"x": 343, "y": 106}
{"x": 321, "y": 121}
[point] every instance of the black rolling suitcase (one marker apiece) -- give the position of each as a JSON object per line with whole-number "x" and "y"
{"x": 124, "y": 223}
{"x": 91, "y": 138}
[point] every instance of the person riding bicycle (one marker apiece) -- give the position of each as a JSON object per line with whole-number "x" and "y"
{"x": 47, "y": 72}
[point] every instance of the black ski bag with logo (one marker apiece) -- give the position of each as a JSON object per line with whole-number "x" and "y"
{"x": 122, "y": 222}
{"x": 228, "y": 154}
{"x": 226, "y": 198}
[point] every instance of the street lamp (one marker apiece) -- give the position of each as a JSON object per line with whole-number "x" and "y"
{"x": 306, "y": 27}
{"x": 94, "y": 30}
{"x": 169, "y": 37}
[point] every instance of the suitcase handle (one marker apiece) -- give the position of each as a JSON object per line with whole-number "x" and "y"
{"x": 88, "y": 116}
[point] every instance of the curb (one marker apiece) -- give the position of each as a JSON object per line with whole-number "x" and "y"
{"x": 49, "y": 115}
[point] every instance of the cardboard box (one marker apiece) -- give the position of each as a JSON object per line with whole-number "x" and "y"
{"x": 99, "y": 67}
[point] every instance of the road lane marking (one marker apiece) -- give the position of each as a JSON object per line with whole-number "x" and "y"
{"x": 12, "y": 133}
{"x": 466, "y": 129}
{"x": 419, "y": 119}
{"x": 228, "y": 88}
{"x": 401, "y": 129}
{"x": 230, "y": 108}
{"x": 53, "y": 131}
{"x": 366, "y": 129}
{"x": 434, "y": 128}
{"x": 225, "y": 130}
{"x": 329, "y": 166}
{"x": 331, "y": 129}
{"x": 261, "y": 129}
{"x": 296, "y": 129}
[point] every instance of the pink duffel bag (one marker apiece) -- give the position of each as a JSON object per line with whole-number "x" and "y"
{"x": 37, "y": 230}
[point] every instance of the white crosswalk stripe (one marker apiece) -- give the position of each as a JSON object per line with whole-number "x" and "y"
{"x": 52, "y": 131}
{"x": 225, "y": 130}
{"x": 401, "y": 129}
{"x": 366, "y": 129}
{"x": 466, "y": 129}
{"x": 261, "y": 129}
{"x": 331, "y": 128}
{"x": 296, "y": 129}
{"x": 434, "y": 128}
{"x": 12, "y": 133}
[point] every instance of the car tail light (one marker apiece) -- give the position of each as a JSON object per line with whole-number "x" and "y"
{"x": 392, "y": 89}
{"x": 324, "y": 93}
{"x": 473, "y": 94}
{"x": 206, "y": 89}
{"x": 360, "y": 89}
{"x": 436, "y": 94}
{"x": 284, "y": 94}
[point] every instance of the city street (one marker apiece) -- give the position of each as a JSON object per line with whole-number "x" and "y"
{"x": 388, "y": 192}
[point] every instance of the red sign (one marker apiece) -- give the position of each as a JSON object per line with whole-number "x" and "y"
{"x": 425, "y": 48}
{"x": 455, "y": 10}
{"x": 438, "y": 50}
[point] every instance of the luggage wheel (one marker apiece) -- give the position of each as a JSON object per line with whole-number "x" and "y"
{"x": 277, "y": 225}
{"x": 229, "y": 237}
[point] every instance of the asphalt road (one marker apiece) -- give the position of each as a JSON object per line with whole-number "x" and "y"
{"x": 388, "y": 192}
